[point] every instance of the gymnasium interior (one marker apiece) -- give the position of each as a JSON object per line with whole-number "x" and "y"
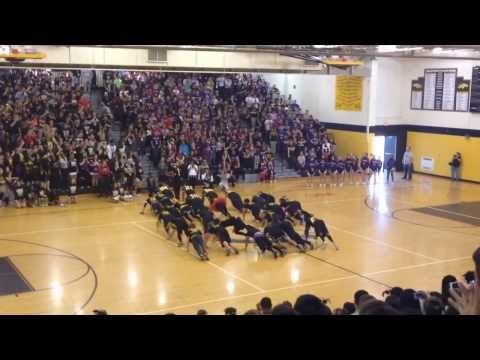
{"x": 363, "y": 157}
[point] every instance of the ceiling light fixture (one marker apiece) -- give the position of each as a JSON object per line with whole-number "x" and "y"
{"x": 395, "y": 48}
{"x": 325, "y": 46}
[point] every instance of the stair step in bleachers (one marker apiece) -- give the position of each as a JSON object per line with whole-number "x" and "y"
{"x": 251, "y": 178}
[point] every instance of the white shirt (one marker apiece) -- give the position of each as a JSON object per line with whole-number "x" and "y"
{"x": 268, "y": 124}
{"x": 221, "y": 81}
{"x": 249, "y": 100}
{"x": 407, "y": 158}
{"x": 110, "y": 150}
{"x": 192, "y": 170}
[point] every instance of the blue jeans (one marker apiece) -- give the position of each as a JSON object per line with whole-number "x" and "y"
{"x": 407, "y": 171}
{"x": 455, "y": 173}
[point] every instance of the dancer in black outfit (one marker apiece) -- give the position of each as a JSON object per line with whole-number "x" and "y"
{"x": 275, "y": 232}
{"x": 319, "y": 226}
{"x": 207, "y": 218}
{"x": 236, "y": 202}
{"x": 196, "y": 239}
{"x": 223, "y": 236}
{"x": 237, "y": 223}
{"x": 293, "y": 209}
{"x": 288, "y": 229}
{"x": 259, "y": 201}
{"x": 149, "y": 202}
{"x": 267, "y": 197}
{"x": 186, "y": 211}
{"x": 189, "y": 190}
{"x": 181, "y": 225}
{"x": 166, "y": 191}
{"x": 276, "y": 210}
{"x": 210, "y": 194}
{"x": 176, "y": 181}
{"x": 254, "y": 208}
{"x": 196, "y": 203}
{"x": 264, "y": 243}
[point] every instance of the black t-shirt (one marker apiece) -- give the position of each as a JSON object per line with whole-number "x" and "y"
{"x": 206, "y": 215}
{"x": 235, "y": 199}
{"x": 274, "y": 230}
{"x": 253, "y": 207}
{"x": 222, "y": 233}
{"x": 236, "y": 222}
{"x": 180, "y": 223}
{"x": 287, "y": 227}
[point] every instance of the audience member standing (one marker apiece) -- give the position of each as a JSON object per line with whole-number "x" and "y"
{"x": 408, "y": 163}
{"x": 455, "y": 166}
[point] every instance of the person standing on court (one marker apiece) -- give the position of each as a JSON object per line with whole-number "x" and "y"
{"x": 455, "y": 166}
{"x": 390, "y": 166}
{"x": 408, "y": 163}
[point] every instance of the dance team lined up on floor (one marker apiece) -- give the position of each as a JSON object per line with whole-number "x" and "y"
{"x": 274, "y": 222}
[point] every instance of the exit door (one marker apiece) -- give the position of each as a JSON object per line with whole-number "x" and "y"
{"x": 390, "y": 147}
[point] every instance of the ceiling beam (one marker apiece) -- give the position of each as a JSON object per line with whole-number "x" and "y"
{"x": 369, "y": 52}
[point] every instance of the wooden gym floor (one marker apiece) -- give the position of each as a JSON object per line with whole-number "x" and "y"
{"x": 97, "y": 254}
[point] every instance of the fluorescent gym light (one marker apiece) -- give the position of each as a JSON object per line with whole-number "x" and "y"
{"x": 395, "y": 48}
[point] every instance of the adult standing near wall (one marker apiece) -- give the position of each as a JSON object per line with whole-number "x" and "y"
{"x": 408, "y": 163}
{"x": 455, "y": 166}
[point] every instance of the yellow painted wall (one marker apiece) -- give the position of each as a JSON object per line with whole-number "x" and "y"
{"x": 351, "y": 142}
{"x": 441, "y": 148}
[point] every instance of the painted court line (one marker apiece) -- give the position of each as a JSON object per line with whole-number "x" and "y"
{"x": 300, "y": 286}
{"x": 453, "y": 213}
{"x": 75, "y": 228}
{"x": 382, "y": 243}
{"x": 417, "y": 266}
{"x": 247, "y": 295}
{"x": 436, "y": 209}
{"x": 208, "y": 262}
{"x": 337, "y": 201}
{"x": 235, "y": 276}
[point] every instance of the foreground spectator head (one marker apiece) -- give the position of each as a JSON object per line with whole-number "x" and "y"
{"x": 283, "y": 309}
{"x": 433, "y": 306}
{"x": 99, "y": 312}
{"x": 358, "y": 295}
{"x": 202, "y": 312}
{"x": 469, "y": 276}
{"x": 377, "y": 307}
{"x": 311, "y": 305}
{"x": 252, "y": 312}
{"x": 265, "y": 305}
{"x": 446, "y": 281}
{"x": 476, "y": 257}
{"x": 348, "y": 308}
{"x": 394, "y": 301}
{"x": 409, "y": 300}
{"x": 364, "y": 298}
{"x": 396, "y": 291}
{"x": 230, "y": 311}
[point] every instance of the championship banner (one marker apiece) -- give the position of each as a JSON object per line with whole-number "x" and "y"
{"x": 349, "y": 90}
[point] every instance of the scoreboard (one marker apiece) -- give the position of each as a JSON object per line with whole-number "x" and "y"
{"x": 475, "y": 93}
{"x": 442, "y": 90}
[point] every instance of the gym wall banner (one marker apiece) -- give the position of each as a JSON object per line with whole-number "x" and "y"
{"x": 349, "y": 92}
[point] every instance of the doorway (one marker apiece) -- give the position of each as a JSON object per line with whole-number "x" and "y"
{"x": 379, "y": 147}
{"x": 384, "y": 147}
{"x": 390, "y": 148}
